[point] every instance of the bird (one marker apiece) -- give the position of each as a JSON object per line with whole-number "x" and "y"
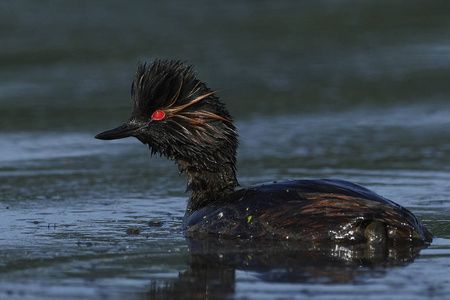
{"x": 178, "y": 116}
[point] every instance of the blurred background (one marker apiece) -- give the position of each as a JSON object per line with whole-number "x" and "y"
{"x": 357, "y": 90}
{"x": 66, "y": 65}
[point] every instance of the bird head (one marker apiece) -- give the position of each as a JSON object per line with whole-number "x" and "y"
{"x": 179, "y": 117}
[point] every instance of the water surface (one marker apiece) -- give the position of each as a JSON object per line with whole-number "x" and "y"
{"x": 349, "y": 90}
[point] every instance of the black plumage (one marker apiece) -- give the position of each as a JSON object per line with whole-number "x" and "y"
{"x": 178, "y": 116}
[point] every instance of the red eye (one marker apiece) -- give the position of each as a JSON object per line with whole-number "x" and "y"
{"x": 158, "y": 115}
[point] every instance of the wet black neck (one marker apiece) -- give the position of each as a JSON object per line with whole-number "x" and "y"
{"x": 209, "y": 185}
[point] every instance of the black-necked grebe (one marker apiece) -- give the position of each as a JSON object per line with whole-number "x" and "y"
{"x": 179, "y": 117}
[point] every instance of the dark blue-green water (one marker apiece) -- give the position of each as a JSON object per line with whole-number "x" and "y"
{"x": 356, "y": 90}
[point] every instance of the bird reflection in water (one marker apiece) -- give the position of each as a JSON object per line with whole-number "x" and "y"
{"x": 212, "y": 265}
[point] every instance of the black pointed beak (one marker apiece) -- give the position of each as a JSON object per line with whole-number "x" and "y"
{"x": 126, "y": 130}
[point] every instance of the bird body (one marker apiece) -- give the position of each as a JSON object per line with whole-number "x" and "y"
{"x": 179, "y": 117}
{"x": 307, "y": 210}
